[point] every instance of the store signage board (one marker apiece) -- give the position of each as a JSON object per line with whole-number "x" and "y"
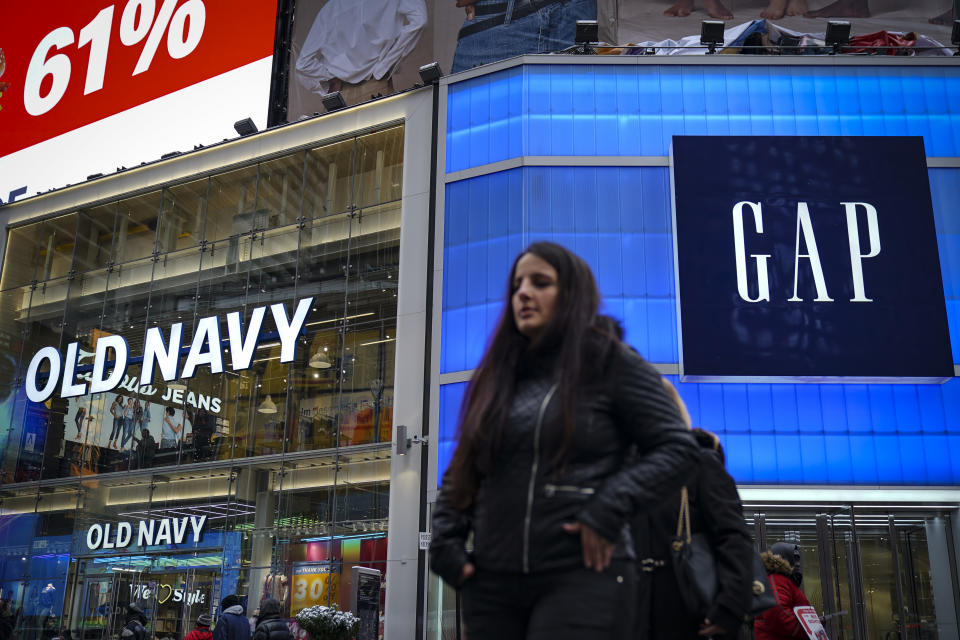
{"x": 48, "y": 367}
{"x": 94, "y": 85}
{"x": 807, "y": 258}
{"x": 146, "y": 533}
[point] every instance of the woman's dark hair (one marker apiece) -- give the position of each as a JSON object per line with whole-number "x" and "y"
{"x": 489, "y": 395}
{"x": 170, "y": 411}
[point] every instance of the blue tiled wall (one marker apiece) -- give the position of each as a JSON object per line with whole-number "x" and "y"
{"x": 636, "y": 109}
{"x": 618, "y": 219}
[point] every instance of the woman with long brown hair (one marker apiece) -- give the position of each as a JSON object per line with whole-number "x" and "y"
{"x": 541, "y": 474}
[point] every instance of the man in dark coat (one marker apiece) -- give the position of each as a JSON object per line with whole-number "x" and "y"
{"x": 232, "y": 625}
{"x": 134, "y": 629}
{"x": 271, "y": 624}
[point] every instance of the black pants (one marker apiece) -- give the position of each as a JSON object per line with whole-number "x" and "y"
{"x": 570, "y": 604}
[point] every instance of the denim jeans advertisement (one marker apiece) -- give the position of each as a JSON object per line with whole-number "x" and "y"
{"x": 376, "y": 47}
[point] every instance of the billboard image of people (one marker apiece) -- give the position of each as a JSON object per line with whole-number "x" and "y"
{"x": 646, "y": 21}
{"x": 376, "y": 47}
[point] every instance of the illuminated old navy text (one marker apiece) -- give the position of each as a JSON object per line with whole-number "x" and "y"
{"x": 120, "y": 535}
{"x": 804, "y": 229}
{"x": 204, "y": 350}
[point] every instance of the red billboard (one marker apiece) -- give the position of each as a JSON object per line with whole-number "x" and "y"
{"x": 69, "y": 64}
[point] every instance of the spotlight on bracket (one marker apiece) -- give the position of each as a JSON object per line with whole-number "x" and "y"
{"x": 838, "y": 34}
{"x": 333, "y": 101}
{"x": 245, "y": 127}
{"x": 711, "y": 34}
{"x": 431, "y": 73}
{"x": 588, "y": 32}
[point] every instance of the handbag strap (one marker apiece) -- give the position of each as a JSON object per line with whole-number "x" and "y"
{"x": 683, "y": 520}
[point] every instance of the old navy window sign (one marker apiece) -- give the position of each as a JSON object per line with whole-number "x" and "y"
{"x": 807, "y": 258}
{"x": 50, "y": 372}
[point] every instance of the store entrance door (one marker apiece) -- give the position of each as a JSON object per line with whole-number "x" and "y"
{"x": 172, "y": 590}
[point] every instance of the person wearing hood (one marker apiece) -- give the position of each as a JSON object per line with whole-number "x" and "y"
{"x": 202, "y": 630}
{"x": 270, "y": 624}
{"x": 232, "y": 624}
{"x": 134, "y": 629}
{"x": 779, "y": 622}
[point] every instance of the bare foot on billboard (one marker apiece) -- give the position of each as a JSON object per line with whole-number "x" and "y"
{"x": 946, "y": 17}
{"x": 681, "y": 9}
{"x": 797, "y": 8}
{"x": 843, "y": 9}
{"x": 774, "y": 10}
{"x": 716, "y": 10}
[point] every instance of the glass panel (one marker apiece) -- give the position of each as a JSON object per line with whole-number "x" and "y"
{"x": 57, "y": 242}
{"x": 95, "y": 235}
{"x": 379, "y": 167}
{"x": 22, "y": 255}
{"x": 328, "y": 179}
{"x": 137, "y": 220}
{"x": 279, "y": 190}
{"x": 230, "y": 208}
{"x": 182, "y": 216}
{"x": 920, "y": 613}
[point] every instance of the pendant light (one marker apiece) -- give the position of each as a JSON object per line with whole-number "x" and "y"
{"x": 177, "y": 385}
{"x": 267, "y": 406}
{"x": 320, "y": 359}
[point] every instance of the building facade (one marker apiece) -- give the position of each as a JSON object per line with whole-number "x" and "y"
{"x": 299, "y": 295}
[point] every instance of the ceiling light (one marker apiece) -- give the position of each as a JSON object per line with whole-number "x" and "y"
{"x": 267, "y": 406}
{"x": 320, "y": 359}
{"x": 177, "y": 385}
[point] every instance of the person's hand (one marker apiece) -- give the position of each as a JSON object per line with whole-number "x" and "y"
{"x": 597, "y": 550}
{"x": 707, "y": 628}
{"x": 468, "y": 7}
{"x": 467, "y": 572}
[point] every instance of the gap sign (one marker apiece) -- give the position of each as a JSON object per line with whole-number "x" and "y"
{"x": 807, "y": 258}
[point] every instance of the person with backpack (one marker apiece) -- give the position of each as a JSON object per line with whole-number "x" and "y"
{"x": 780, "y": 622}
{"x": 270, "y": 624}
{"x": 232, "y": 624}
{"x": 134, "y": 629}
{"x": 202, "y": 630}
{"x": 715, "y": 509}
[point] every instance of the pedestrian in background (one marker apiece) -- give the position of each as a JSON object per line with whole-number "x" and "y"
{"x": 715, "y": 509}
{"x": 135, "y": 628}
{"x": 270, "y": 624}
{"x": 232, "y": 625}
{"x": 540, "y": 474}
{"x": 202, "y": 630}
{"x": 779, "y": 622}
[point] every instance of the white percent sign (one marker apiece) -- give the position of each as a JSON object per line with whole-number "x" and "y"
{"x": 182, "y": 25}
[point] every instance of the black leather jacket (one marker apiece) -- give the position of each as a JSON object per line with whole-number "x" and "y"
{"x": 521, "y": 504}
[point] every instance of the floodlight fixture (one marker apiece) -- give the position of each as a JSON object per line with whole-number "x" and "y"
{"x": 431, "y": 73}
{"x": 245, "y": 127}
{"x": 711, "y": 34}
{"x": 838, "y": 34}
{"x": 333, "y": 101}
{"x": 588, "y": 32}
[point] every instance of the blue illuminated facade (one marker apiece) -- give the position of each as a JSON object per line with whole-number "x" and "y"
{"x": 582, "y": 158}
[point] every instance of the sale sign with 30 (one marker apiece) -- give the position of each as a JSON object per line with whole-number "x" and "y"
{"x": 313, "y": 584}
{"x": 65, "y": 64}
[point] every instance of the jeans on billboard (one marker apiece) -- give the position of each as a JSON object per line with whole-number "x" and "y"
{"x": 127, "y": 431}
{"x": 502, "y": 30}
{"x": 563, "y": 604}
{"x": 117, "y": 428}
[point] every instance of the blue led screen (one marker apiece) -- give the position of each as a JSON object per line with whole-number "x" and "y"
{"x": 619, "y": 220}
{"x": 611, "y": 110}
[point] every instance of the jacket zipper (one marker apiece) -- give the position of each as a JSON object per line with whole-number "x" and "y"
{"x": 551, "y": 490}
{"x": 533, "y": 477}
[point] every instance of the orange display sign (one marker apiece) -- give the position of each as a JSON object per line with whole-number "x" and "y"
{"x": 314, "y": 584}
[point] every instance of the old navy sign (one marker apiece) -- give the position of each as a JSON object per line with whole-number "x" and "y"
{"x": 146, "y": 534}
{"x": 163, "y": 353}
{"x": 807, "y": 258}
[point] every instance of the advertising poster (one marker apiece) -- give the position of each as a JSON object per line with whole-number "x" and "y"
{"x": 654, "y": 21}
{"x": 314, "y": 583}
{"x": 376, "y": 47}
{"x": 810, "y": 622}
{"x": 89, "y": 87}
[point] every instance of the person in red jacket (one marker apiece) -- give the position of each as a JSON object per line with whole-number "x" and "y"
{"x": 779, "y": 622}
{"x": 202, "y": 630}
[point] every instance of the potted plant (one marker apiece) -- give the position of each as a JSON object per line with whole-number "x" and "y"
{"x": 328, "y": 623}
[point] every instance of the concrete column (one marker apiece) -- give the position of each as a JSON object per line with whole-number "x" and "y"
{"x": 940, "y": 577}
